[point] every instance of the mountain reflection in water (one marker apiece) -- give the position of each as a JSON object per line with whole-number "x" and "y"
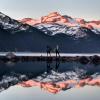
{"x": 57, "y": 87}
{"x": 50, "y": 76}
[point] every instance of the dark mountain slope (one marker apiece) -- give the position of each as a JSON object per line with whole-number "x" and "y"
{"x": 22, "y": 37}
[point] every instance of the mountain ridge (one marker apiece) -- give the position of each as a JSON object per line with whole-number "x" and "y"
{"x": 55, "y": 17}
{"x": 36, "y": 38}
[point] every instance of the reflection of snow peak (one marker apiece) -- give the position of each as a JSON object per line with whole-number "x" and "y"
{"x": 52, "y": 82}
{"x": 56, "y": 77}
{"x": 54, "y": 87}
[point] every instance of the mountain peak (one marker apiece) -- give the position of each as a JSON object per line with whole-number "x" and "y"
{"x": 2, "y": 15}
{"x": 55, "y": 17}
{"x": 30, "y": 21}
{"x": 10, "y": 24}
{"x": 54, "y": 14}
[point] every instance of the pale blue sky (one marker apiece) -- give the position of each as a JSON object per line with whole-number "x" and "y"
{"x": 88, "y": 9}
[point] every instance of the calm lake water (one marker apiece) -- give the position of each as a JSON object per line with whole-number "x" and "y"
{"x": 49, "y": 80}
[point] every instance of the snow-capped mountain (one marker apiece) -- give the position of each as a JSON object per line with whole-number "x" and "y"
{"x": 14, "y": 34}
{"x": 55, "y": 17}
{"x": 75, "y": 31}
{"x": 11, "y": 25}
{"x": 54, "y": 23}
{"x": 28, "y": 38}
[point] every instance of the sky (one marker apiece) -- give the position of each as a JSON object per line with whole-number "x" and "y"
{"x": 18, "y": 9}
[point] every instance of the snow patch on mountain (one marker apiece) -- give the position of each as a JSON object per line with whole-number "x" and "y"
{"x": 10, "y": 24}
{"x": 53, "y": 29}
{"x": 52, "y": 24}
{"x": 2, "y": 15}
{"x": 60, "y": 77}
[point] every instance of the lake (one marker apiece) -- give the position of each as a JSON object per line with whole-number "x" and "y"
{"x": 49, "y": 80}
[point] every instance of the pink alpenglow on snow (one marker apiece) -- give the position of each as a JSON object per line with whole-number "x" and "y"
{"x": 55, "y": 17}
